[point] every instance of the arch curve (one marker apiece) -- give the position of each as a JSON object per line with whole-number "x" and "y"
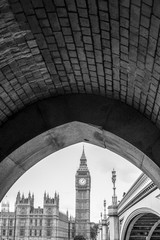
{"x": 52, "y": 124}
{"x": 134, "y": 217}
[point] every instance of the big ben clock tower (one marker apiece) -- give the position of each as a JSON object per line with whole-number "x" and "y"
{"x": 83, "y": 186}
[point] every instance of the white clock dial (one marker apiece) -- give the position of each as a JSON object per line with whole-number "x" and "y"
{"x": 82, "y": 181}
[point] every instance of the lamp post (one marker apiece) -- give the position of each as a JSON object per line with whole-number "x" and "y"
{"x": 113, "y": 212}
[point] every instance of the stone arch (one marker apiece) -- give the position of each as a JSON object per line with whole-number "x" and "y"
{"x": 52, "y": 124}
{"x": 139, "y": 215}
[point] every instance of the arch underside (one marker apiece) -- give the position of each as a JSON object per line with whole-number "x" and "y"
{"x": 65, "y": 61}
{"x": 55, "y": 123}
{"x": 145, "y": 227}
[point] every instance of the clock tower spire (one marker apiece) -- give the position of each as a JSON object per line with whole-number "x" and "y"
{"x": 83, "y": 186}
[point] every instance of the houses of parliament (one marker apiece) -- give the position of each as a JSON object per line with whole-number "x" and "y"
{"x": 30, "y": 223}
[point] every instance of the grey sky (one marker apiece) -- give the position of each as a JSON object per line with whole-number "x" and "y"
{"x": 57, "y": 173}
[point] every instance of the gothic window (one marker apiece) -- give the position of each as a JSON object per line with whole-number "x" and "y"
{"x": 30, "y": 232}
{"x": 40, "y": 233}
{"x": 40, "y": 222}
{"x": 35, "y": 232}
{"x": 11, "y": 222}
{"x": 4, "y": 232}
{"x": 22, "y": 232}
{"x": 35, "y": 222}
{"x": 48, "y": 222}
{"x": 22, "y": 222}
{"x": 31, "y": 221}
{"x": 48, "y": 232}
{"x": 10, "y": 232}
{"x": 4, "y": 222}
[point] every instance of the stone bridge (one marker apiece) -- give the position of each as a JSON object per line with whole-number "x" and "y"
{"x": 136, "y": 216}
{"x": 79, "y": 70}
{"x": 139, "y": 211}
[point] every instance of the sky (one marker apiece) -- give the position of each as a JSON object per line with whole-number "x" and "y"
{"x": 57, "y": 173}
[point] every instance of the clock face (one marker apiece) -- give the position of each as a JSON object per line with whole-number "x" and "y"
{"x": 82, "y": 181}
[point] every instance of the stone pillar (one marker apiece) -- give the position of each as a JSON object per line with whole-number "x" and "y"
{"x": 113, "y": 213}
{"x": 99, "y": 232}
{"x": 113, "y": 222}
{"x": 104, "y": 229}
{"x": 104, "y": 224}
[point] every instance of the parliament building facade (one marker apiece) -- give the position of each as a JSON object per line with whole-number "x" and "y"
{"x": 27, "y": 222}
{"x": 30, "y": 223}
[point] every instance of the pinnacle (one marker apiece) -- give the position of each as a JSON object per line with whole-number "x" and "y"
{"x": 83, "y": 154}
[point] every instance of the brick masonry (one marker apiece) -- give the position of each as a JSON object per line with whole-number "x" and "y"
{"x": 56, "y": 47}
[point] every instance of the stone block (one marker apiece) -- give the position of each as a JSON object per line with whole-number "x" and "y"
{"x": 136, "y": 2}
{"x": 49, "y": 6}
{"x": 33, "y": 22}
{"x": 87, "y": 39}
{"x": 54, "y": 21}
{"x": 125, "y": 3}
{"x": 86, "y": 31}
{"x": 98, "y": 56}
{"x": 71, "y": 5}
{"x": 84, "y": 22}
{"x": 44, "y": 23}
{"x": 103, "y": 5}
{"x": 154, "y": 29}
{"x": 66, "y": 31}
{"x": 83, "y": 12}
{"x": 144, "y": 32}
{"x": 74, "y": 21}
{"x": 114, "y": 9}
{"x": 124, "y": 22}
{"x": 59, "y": 3}
{"x": 92, "y": 5}
{"x": 37, "y": 3}
{"x": 81, "y": 54}
{"x": 94, "y": 24}
{"x": 152, "y": 46}
{"x": 145, "y": 21}
{"x": 59, "y": 38}
{"x": 124, "y": 12}
{"x": 97, "y": 41}
{"x": 27, "y": 7}
{"x": 104, "y": 16}
{"x": 100, "y": 70}
{"x": 115, "y": 46}
{"x": 133, "y": 53}
{"x": 40, "y": 41}
{"x": 105, "y": 26}
{"x": 47, "y": 31}
{"x": 16, "y": 7}
{"x": 124, "y": 32}
{"x": 115, "y": 29}
{"x": 156, "y": 8}
{"x": 68, "y": 39}
{"x": 135, "y": 16}
{"x": 88, "y": 47}
{"x": 70, "y": 46}
{"x": 146, "y": 10}
{"x": 41, "y": 13}
{"x": 81, "y": 3}
{"x": 64, "y": 22}
{"x": 105, "y": 35}
{"x": 62, "y": 12}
